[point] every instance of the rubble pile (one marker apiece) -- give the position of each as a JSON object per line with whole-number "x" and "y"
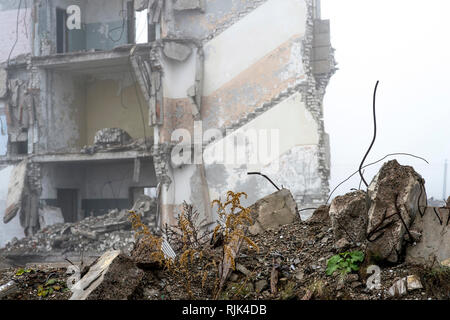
{"x": 385, "y": 243}
{"x": 93, "y": 234}
{"x": 113, "y": 140}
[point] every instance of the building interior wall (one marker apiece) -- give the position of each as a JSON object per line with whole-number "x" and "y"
{"x": 64, "y": 113}
{"x": 114, "y": 104}
{"x": 291, "y": 126}
{"x": 101, "y": 186}
{"x": 76, "y": 107}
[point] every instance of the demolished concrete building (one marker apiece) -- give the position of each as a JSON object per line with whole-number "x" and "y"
{"x": 94, "y": 119}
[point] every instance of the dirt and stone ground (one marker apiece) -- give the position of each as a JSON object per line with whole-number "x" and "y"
{"x": 298, "y": 252}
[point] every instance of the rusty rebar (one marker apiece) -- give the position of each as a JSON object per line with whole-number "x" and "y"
{"x": 371, "y": 164}
{"x": 374, "y": 134}
{"x": 259, "y": 173}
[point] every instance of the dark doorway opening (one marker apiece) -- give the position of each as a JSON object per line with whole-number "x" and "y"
{"x": 68, "y": 202}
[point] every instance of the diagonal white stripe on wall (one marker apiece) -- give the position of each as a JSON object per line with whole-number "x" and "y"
{"x": 250, "y": 39}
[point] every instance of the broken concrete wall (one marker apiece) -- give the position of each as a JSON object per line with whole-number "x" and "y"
{"x": 18, "y": 111}
{"x": 179, "y": 77}
{"x": 204, "y": 19}
{"x": 62, "y": 112}
{"x": 13, "y": 228}
{"x": 251, "y": 84}
{"x": 296, "y": 144}
{"x": 284, "y": 54}
{"x": 78, "y": 106}
{"x": 237, "y": 82}
{"x": 101, "y": 186}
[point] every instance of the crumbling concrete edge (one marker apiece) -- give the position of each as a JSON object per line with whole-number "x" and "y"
{"x": 234, "y": 19}
{"x": 313, "y": 91}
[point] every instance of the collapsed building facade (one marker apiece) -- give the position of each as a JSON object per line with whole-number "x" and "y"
{"x": 95, "y": 120}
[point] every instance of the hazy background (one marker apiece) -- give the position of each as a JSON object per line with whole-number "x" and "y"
{"x": 404, "y": 44}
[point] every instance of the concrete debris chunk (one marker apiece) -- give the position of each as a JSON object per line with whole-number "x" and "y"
{"x": 95, "y": 234}
{"x": 49, "y": 216}
{"x": 399, "y": 288}
{"x": 413, "y": 283}
{"x": 273, "y": 211}
{"x": 395, "y": 195}
{"x": 434, "y": 243}
{"x": 16, "y": 189}
{"x": 320, "y": 215}
{"x": 243, "y": 269}
{"x": 261, "y": 285}
{"x": 177, "y": 51}
{"x": 112, "y": 136}
{"x": 9, "y": 288}
{"x": 348, "y": 215}
{"x": 84, "y": 233}
{"x": 113, "y": 277}
{"x": 342, "y": 244}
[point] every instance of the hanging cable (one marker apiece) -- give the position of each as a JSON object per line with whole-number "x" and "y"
{"x": 17, "y": 33}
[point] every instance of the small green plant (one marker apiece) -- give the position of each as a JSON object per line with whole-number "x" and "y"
{"x": 49, "y": 288}
{"x": 23, "y": 271}
{"x": 345, "y": 262}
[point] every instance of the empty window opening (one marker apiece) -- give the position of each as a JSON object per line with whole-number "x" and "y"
{"x": 19, "y": 148}
{"x": 61, "y": 30}
{"x": 142, "y": 27}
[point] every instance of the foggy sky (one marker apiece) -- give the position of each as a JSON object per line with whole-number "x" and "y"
{"x": 405, "y": 45}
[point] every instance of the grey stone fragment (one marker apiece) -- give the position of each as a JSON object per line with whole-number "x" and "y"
{"x": 273, "y": 211}
{"x": 396, "y": 191}
{"x": 113, "y": 277}
{"x": 261, "y": 285}
{"x": 348, "y": 215}
{"x": 413, "y": 283}
{"x": 434, "y": 243}
{"x": 398, "y": 289}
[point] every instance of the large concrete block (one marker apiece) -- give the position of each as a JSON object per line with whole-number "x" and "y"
{"x": 273, "y": 211}
{"x": 348, "y": 215}
{"x": 395, "y": 194}
{"x": 113, "y": 277}
{"x": 16, "y": 189}
{"x": 434, "y": 244}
